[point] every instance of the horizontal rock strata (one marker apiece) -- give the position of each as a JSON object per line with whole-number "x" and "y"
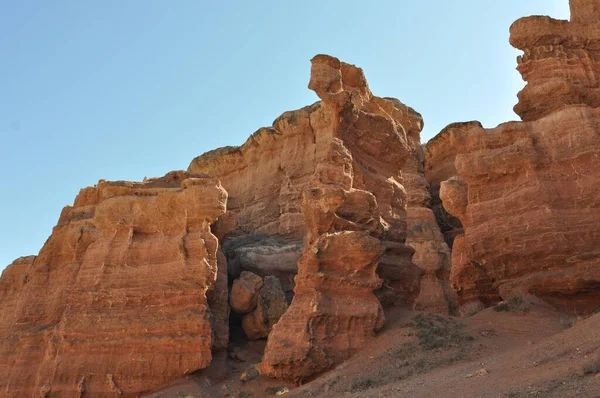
{"x": 116, "y": 301}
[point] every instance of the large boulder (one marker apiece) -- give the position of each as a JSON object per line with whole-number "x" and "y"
{"x": 244, "y": 292}
{"x": 270, "y": 306}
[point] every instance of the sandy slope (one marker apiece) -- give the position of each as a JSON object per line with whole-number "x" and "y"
{"x": 528, "y": 351}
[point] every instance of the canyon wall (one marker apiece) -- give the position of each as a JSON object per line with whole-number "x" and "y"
{"x": 116, "y": 301}
{"x": 432, "y": 253}
{"x": 131, "y": 290}
{"x": 526, "y": 193}
{"x": 355, "y": 213}
{"x": 338, "y": 209}
{"x": 267, "y": 175}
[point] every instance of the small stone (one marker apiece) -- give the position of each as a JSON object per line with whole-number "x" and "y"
{"x": 249, "y": 374}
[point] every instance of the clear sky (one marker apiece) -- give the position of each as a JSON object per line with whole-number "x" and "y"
{"x": 121, "y": 90}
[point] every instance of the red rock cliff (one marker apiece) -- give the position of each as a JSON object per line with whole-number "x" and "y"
{"x": 116, "y": 301}
{"x": 267, "y": 175}
{"x": 527, "y": 192}
{"x": 355, "y": 213}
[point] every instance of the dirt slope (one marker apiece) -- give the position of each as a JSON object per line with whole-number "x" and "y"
{"x": 517, "y": 349}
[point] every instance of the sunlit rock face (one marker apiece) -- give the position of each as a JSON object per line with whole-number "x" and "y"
{"x": 267, "y": 176}
{"x": 560, "y": 61}
{"x": 354, "y": 210}
{"x": 116, "y": 301}
{"x": 432, "y": 253}
{"x": 528, "y": 193}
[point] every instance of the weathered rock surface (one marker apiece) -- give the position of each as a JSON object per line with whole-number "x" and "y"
{"x": 244, "y": 292}
{"x": 263, "y": 255}
{"x": 432, "y": 254}
{"x": 116, "y": 301}
{"x": 440, "y": 153}
{"x": 271, "y": 303}
{"x": 355, "y": 215}
{"x": 219, "y": 294}
{"x": 560, "y": 61}
{"x": 527, "y": 192}
{"x": 267, "y": 175}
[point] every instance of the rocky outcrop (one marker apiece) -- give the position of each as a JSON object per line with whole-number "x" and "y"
{"x": 264, "y": 255}
{"x": 355, "y": 214}
{"x": 267, "y": 175}
{"x": 432, "y": 254}
{"x": 270, "y": 306}
{"x": 527, "y": 192}
{"x": 560, "y": 61}
{"x": 244, "y": 292}
{"x": 440, "y": 153}
{"x": 116, "y": 301}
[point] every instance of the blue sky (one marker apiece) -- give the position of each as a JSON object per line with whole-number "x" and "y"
{"x": 128, "y": 89}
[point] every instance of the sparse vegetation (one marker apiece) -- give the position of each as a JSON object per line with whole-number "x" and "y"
{"x": 363, "y": 384}
{"x": 431, "y": 332}
{"x": 554, "y": 357}
{"x": 435, "y": 331}
{"x": 592, "y": 367}
{"x": 514, "y": 304}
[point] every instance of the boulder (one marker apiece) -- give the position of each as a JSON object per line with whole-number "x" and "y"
{"x": 270, "y": 306}
{"x": 244, "y": 292}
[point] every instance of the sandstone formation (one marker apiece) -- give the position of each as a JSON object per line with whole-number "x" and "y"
{"x": 440, "y": 153}
{"x": 116, "y": 301}
{"x": 355, "y": 214}
{"x": 432, "y": 253}
{"x": 270, "y": 306}
{"x": 527, "y": 192}
{"x": 560, "y": 61}
{"x": 244, "y": 292}
{"x": 267, "y": 175}
{"x": 264, "y": 255}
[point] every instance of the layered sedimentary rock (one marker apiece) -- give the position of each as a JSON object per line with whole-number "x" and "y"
{"x": 244, "y": 292}
{"x": 266, "y": 176}
{"x": 560, "y": 61}
{"x": 270, "y": 306}
{"x": 432, "y": 253}
{"x": 440, "y": 153}
{"x": 355, "y": 214}
{"x": 527, "y": 193}
{"x": 116, "y": 301}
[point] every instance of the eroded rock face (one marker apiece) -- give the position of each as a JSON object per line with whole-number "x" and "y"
{"x": 527, "y": 196}
{"x": 270, "y": 306}
{"x": 527, "y": 193}
{"x": 116, "y": 301}
{"x": 264, "y": 255}
{"x": 355, "y": 215}
{"x": 267, "y": 175}
{"x": 244, "y": 292}
{"x": 432, "y": 254}
{"x": 440, "y": 153}
{"x": 560, "y": 60}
